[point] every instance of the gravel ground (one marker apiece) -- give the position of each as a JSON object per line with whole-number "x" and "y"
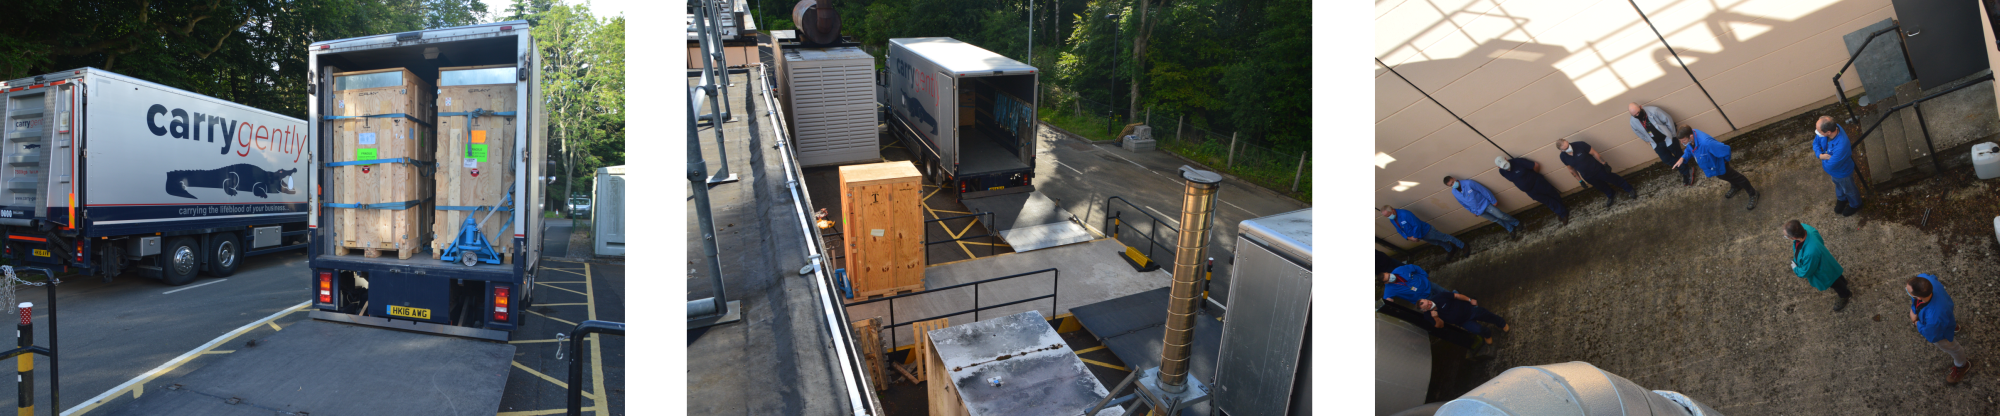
{"x": 1683, "y": 290}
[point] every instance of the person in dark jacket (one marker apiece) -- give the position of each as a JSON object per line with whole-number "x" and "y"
{"x": 1812, "y": 261}
{"x": 1448, "y": 307}
{"x": 1714, "y": 159}
{"x": 1588, "y": 167}
{"x": 1930, "y": 311}
{"x": 1652, "y": 125}
{"x": 1413, "y": 229}
{"x": 1527, "y": 176}
{"x": 1836, "y": 156}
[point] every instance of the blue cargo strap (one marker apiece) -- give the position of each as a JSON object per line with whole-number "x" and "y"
{"x": 393, "y": 206}
{"x": 477, "y": 112}
{"x": 474, "y": 208}
{"x": 390, "y": 115}
{"x": 403, "y": 160}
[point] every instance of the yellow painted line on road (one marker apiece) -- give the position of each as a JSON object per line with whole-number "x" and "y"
{"x": 954, "y": 212}
{"x": 602, "y": 406}
{"x": 218, "y": 351}
{"x": 553, "y": 318}
{"x": 138, "y": 382}
{"x": 274, "y": 326}
{"x": 138, "y": 390}
{"x": 530, "y": 341}
{"x": 535, "y": 412}
{"x": 558, "y": 383}
{"x": 986, "y": 244}
{"x": 1103, "y": 364}
{"x": 1081, "y": 351}
{"x": 561, "y": 288}
{"x": 559, "y": 281}
{"x": 570, "y": 272}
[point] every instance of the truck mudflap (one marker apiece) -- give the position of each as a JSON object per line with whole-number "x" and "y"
{"x": 326, "y": 368}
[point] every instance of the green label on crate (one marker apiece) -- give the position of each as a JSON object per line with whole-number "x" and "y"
{"x": 364, "y": 154}
{"x": 476, "y": 151}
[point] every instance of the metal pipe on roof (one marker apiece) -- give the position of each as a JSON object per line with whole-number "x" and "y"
{"x": 697, "y": 170}
{"x": 1197, "y": 209}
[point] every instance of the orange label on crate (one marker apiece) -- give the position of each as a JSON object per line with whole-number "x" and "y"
{"x": 478, "y": 136}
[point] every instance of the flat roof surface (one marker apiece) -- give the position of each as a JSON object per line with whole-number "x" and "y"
{"x": 779, "y": 359}
{"x": 960, "y": 57}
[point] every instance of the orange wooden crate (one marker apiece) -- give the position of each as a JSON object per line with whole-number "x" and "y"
{"x": 884, "y": 227}
{"x": 386, "y": 118}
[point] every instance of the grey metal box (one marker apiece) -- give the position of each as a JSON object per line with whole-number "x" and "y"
{"x": 608, "y": 219}
{"x": 267, "y": 236}
{"x": 142, "y": 246}
{"x": 1038, "y": 373}
{"x": 830, "y": 105}
{"x": 1264, "y": 329}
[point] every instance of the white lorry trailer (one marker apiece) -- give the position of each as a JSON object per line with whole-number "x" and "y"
{"x": 966, "y": 114}
{"x": 106, "y": 172}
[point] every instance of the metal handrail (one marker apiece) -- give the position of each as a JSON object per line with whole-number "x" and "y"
{"x": 1055, "y": 288}
{"x": 1921, "y": 125}
{"x": 1113, "y": 220}
{"x": 1840, "y": 91}
{"x": 576, "y": 335}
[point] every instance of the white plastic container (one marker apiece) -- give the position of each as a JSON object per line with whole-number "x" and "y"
{"x": 1986, "y": 160}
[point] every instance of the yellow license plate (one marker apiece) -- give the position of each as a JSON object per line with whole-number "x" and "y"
{"x": 409, "y": 312}
{"x": 41, "y": 253}
{"x": 996, "y": 187}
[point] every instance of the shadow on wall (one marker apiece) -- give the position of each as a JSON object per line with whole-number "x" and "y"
{"x": 1529, "y": 81}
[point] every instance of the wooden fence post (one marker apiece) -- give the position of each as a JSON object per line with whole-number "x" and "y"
{"x": 1178, "y": 122}
{"x": 1300, "y": 171}
{"x": 1232, "y": 151}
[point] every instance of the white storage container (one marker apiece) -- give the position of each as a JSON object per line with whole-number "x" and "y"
{"x": 830, "y": 103}
{"x": 1986, "y": 160}
{"x": 607, "y": 215}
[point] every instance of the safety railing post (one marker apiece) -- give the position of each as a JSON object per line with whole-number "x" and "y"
{"x": 576, "y": 336}
{"x": 24, "y": 336}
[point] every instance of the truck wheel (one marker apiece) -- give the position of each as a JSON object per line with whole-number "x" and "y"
{"x": 179, "y": 261}
{"x": 225, "y": 253}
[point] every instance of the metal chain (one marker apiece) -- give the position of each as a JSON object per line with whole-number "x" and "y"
{"x": 10, "y": 283}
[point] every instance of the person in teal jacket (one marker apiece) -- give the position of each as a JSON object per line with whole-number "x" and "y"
{"x": 1714, "y": 159}
{"x": 1811, "y": 260}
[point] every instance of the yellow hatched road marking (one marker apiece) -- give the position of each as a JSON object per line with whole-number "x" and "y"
{"x": 559, "y": 383}
{"x": 1103, "y": 364}
{"x": 561, "y": 288}
{"x": 1081, "y": 351}
{"x": 596, "y": 353}
{"x": 553, "y": 318}
{"x": 570, "y": 272}
{"x": 986, "y": 244}
{"x": 275, "y": 327}
{"x": 954, "y": 212}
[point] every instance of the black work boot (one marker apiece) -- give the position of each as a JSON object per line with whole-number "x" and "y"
{"x": 1732, "y": 192}
{"x": 1753, "y": 202}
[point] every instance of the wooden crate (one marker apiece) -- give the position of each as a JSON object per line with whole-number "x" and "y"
{"x": 939, "y": 390}
{"x": 464, "y": 181}
{"x": 884, "y": 229}
{"x": 382, "y": 123}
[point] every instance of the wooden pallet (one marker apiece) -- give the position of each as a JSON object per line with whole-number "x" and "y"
{"x": 922, "y": 348}
{"x": 868, "y": 334}
{"x": 883, "y": 293}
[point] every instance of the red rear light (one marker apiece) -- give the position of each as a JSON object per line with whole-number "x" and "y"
{"x": 323, "y": 47}
{"x": 325, "y": 287}
{"x": 506, "y": 28}
{"x": 500, "y": 302}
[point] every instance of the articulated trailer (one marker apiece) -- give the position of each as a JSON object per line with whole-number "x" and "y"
{"x": 107, "y": 173}
{"x": 966, "y": 114}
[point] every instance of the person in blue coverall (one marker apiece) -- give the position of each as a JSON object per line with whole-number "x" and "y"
{"x": 1836, "y": 156}
{"x": 1714, "y": 159}
{"x": 1812, "y": 261}
{"x": 1930, "y": 310}
{"x": 1409, "y": 283}
{"x": 1413, "y": 229}
{"x": 1479, "y": 201}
